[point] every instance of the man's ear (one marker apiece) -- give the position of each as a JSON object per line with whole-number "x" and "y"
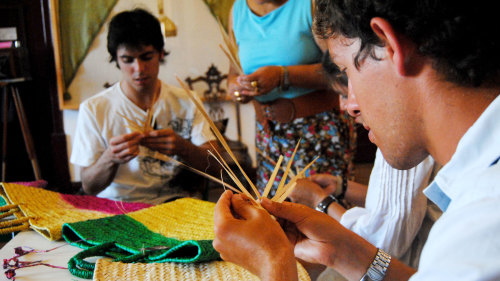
{"x": 397, "y": 47}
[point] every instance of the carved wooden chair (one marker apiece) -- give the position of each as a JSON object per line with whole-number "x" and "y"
{"x": 214, "y": 96}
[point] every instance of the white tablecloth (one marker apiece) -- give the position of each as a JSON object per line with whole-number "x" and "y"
{"x": 57, "y": 257}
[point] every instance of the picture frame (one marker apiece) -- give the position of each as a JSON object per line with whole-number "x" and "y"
{"x": 7, "y": 64}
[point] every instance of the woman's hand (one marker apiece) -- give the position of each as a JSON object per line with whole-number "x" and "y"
{"x": 244, "y": 87}
{"x": 261, "y": 82}
{"x": 236, "y": 90}
{"x": 308, "y": 193}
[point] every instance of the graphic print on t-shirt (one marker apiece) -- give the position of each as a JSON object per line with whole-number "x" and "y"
{"x": 157, "y": 168}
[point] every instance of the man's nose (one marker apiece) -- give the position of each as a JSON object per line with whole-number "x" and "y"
{"x": 352, "y": 106}
{"x": 139, "y": 65}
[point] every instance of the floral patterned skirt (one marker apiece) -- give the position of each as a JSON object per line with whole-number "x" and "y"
{"x": 329, "y": 135}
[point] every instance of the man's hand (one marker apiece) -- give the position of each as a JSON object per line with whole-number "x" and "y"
{"x": 320, "y": 239}
{"x": 249, "y": 236}
{"x": 166, "y": 141}
{"x": 313, "y": 233}
{"x": 124, "y": 148}
{"x": 121, "y": 149}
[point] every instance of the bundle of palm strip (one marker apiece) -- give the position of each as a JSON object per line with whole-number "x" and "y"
{"x": 283, "y": 189}
{"x": 231, "y": 50}
{"x": 140, "y": 126}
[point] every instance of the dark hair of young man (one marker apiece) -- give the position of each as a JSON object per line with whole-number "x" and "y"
{"x": 134, "y": 29}
{"x": 332, "y": 71}
{"x": 444, "y": 30}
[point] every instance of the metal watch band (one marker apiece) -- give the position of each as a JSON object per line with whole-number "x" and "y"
{"x": 376, "y": 271}
{"x": 323, "y": 205}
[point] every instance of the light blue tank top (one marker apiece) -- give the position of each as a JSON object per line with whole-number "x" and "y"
{"x": 282, "y": 37}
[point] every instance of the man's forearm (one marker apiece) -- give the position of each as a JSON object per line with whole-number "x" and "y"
{"x": 99, "y": 175}
{"x": 356, "y": 193}
{"x": 354, "y": 255}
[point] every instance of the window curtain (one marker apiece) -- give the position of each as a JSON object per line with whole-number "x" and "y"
{"x": 79, "y": 22}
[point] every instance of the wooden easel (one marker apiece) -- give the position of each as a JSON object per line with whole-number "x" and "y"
{"x": 11, "y": 84}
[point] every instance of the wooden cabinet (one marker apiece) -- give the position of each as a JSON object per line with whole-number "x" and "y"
{"x": 39, "y": 97}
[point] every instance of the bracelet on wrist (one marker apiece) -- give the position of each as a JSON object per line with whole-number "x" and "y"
{"x": 343, "y": 187}
{"x": 285, "y": 81}
{"x": 282, "y": 73}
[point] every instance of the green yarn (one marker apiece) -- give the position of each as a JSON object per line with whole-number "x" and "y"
{"x": 124, "y": 239}
{"x": 2, "y": 201}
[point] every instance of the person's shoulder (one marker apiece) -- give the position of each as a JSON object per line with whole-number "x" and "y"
{"x": 102, "y": 98}
{"x": 169, "y": 91}
{"x": 238, "y": 5}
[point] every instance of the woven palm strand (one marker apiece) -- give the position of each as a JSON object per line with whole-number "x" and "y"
{"x": 106, "y": 270}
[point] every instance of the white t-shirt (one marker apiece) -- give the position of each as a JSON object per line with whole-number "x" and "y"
{"x": 144, "y": 179}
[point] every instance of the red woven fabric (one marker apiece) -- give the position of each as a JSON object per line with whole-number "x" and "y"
{"x": 88, "y": 202}
{"x": 38, "y": 183}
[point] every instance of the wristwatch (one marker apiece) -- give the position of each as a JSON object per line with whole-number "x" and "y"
{"x": 323, "y": 205}
{"x": 376, "y": 271}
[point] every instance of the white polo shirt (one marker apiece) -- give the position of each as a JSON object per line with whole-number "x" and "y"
{"x": 464, "y": 244}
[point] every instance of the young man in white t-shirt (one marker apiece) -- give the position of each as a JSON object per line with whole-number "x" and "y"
{"x": 107, "y": 150}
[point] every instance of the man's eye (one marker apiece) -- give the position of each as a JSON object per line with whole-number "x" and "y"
{"x": 146, "y": 58}
{"x": 342, "y": 77}
{"x": 127, "y": 60}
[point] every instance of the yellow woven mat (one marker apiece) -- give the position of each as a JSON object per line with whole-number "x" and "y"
{"x": 44, "y": 210}
{"x": 214, "y": 271}
{"x": 183, "y": 219}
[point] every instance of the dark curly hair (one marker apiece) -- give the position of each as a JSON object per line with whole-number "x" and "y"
{"x": 460, "y": 36}
{"x": 134, "y": 29}
{"x": 331, "y": 71}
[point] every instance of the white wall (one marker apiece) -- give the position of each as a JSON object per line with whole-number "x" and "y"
{"x": 192, "y": 51}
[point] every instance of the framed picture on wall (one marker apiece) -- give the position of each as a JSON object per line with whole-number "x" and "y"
{"x": 7, "y": 63}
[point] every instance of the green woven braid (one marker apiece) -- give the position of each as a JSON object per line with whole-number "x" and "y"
{"x": 127, "y": 240}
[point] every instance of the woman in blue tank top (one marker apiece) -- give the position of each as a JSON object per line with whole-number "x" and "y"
{"x": 281, "y": 61}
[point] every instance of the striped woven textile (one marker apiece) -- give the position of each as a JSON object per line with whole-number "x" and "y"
{"x": 209, "y": 271}
{"x": 46, "y": 211}
{"x": 179, "y": 231}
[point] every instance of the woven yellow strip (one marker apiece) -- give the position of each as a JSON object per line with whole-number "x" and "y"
{"x": 214, "y": 271}
{"x": 46, "y": 209}
{"x": 184, "y": 219}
